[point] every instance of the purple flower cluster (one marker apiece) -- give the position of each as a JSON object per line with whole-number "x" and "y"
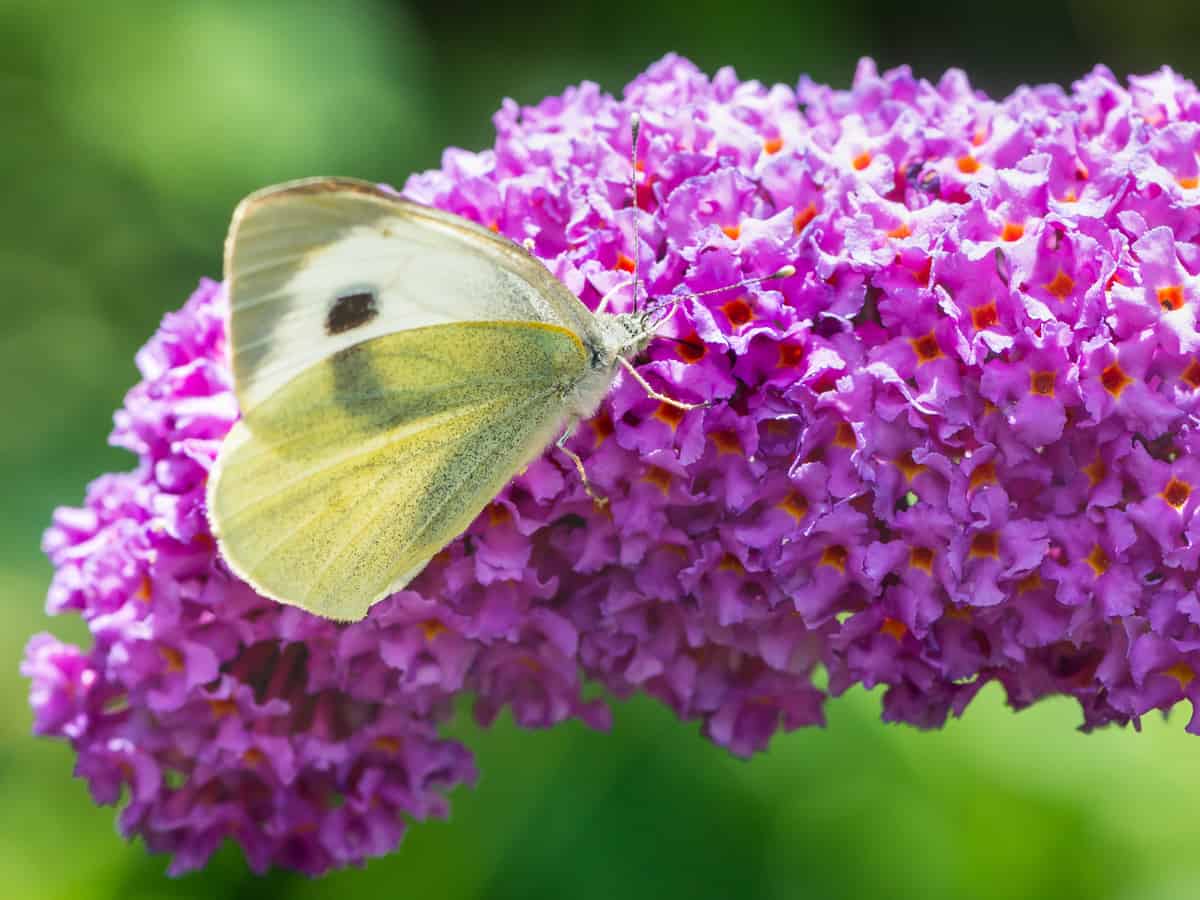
{"x": 959, "y": 445}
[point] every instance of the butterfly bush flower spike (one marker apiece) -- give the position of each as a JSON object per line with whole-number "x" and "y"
{"x": 958, "y": 445}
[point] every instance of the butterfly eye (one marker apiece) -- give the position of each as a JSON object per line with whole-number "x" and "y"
{"x": 351, "y": 311}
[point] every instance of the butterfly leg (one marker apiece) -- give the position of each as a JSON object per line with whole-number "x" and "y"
{"x": 561, "y": 444}
{"x": 655, "y": 395}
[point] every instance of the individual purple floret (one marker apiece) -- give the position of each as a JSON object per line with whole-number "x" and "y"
{"x": 960, "y": 444}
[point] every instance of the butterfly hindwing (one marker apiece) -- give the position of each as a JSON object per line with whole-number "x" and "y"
{"x": 337, "y": 489}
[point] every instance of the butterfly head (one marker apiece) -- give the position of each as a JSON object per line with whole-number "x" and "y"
{"x": 627, "y": 334}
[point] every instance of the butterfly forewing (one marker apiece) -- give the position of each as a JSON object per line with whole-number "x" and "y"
{"x": 319, "y": 265}
{"x": 338, "y": 488}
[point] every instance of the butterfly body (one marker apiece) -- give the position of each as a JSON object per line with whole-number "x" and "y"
{"x": 395, "y": 367}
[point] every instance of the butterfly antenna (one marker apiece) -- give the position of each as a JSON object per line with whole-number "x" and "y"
{"x": 782, "y": 272}
{"x": 635, "y": 127}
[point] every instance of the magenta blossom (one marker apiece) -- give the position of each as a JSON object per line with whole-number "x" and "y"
{"x": 958, "y": 445}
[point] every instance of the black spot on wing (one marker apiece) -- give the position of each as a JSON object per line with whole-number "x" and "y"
{"x": 351, "y": 311}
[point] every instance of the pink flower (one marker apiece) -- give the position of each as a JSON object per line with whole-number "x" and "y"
{"x": 958, "y": 445}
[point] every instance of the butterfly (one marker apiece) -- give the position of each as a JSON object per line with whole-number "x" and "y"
{"x": 395, "y": 366}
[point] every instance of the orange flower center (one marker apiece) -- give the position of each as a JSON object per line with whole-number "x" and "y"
{"x": 602, "y": 427}
{"x": 431, "y": 628}
{"x": 222, "y": 708}
{"x": 983, "y": 474}
{"x": 835, "y": 557}
{"x": 1170, "y": 298}
{"x": 1181, "y": 672}
{"x": 670, "y": 414}
{"x": 805, "y": 216}
{"x": 725, "y": 441}
{"x": 1098, "y": 560}
{"x": 1096, "y": 471}
{"x": 1030, "y": 582}
{"x": 1114, "y": 379}
{"x": 984, "y": 316}
{"x": 1042, "y": 383}
{"x": 922, "y": 272}
{"x": 985, "y": 544}
{"x": 790, "y": 356}
{"x": 921, "y": 558}
{"x": 173, "y": 658}
{"x": 738, "y": 312}
{"x": 893, "y": 628}
{"x": 660, "y": 478}
{"x": 926, "y": 348}
{"x": 730, "y": 563}
{"x": 1061, "y": 285}
{"x": 795, "y": 505}
{"x": 1177, "y": 492}
{"x": 691, "y": 351}
{"x": 908, "y": 468}
{"x": 845, "y": 437}
{"x": 1192, "y": 374}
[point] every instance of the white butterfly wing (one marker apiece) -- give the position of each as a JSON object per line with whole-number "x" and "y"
{"x": 337, "y": 489}
{"x": 315, "y": 266}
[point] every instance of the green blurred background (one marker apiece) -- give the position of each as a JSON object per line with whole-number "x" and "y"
{"x": 131, "y": 128}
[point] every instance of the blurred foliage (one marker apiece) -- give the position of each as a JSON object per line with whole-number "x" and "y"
{"x": 133, "y": 127}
